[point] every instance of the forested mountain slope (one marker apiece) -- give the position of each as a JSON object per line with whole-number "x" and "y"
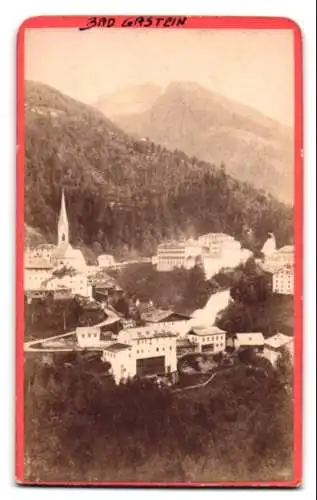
{"x": 199, "y": 122}
{"x": 125, "y": 195}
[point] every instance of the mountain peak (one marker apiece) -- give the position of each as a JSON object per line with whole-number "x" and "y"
{"x": 191, "y": 118}
{"x": 128, "y": 99}
{"x": 187, "y": 86}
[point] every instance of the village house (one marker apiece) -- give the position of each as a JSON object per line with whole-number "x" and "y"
{"x": 142, "y": 351}
{"x": 122, "y": 361}
{"x": 36, "y": 271}
{"x": 274, "y": 346}
{"x": 247, "y": 340}
{"x": 178, "y": 323}
{"x": 283, "y": 280}
{"x": 208, "y": 339}
{"x": 70, "y": 279}
{"x": 88, "y": 337}
{"x": 102, "y": 285}
{"x": 106, "y": 260}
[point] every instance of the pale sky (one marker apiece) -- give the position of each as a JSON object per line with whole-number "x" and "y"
{"x": 254, "y": 67}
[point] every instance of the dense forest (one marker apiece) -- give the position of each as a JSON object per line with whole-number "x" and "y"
{"x": 48, "y": 317}
{"x": 80, "y": 427}
{"x": 124, "y": 196}
{"x": 180, "y": 289}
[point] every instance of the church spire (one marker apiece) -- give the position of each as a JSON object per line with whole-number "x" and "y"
{"x": 63, "y": 231}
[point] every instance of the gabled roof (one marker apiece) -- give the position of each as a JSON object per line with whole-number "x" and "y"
{"x": 250, "y": 338}
{"x": 277, "y": 341}
{"x": 205, "y": 331}
{"x": 160, "y": 315}
{"x": 65, "y": 250}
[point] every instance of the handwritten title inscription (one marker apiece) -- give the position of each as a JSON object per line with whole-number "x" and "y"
{"x": 138, "y": 22}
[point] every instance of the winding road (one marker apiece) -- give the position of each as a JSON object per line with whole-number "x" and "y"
{"x": 112, "y": 318}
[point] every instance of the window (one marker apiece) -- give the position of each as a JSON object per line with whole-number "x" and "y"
{"x": 89, "y": 335}
{"x": 157, "y": 349}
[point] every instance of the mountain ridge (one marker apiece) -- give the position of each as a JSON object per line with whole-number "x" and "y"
{"x": 127, "y": 99}
{"x": 126, "y": 195}
{"x": 202, "y": 123}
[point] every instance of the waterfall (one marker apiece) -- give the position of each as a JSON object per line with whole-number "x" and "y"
{"x": 207, "y": 315}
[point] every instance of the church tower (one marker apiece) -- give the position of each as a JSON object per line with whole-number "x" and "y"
{"x": 63, "y": 231}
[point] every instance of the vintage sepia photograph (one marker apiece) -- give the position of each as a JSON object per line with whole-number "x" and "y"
{"x": 159, "y": 326}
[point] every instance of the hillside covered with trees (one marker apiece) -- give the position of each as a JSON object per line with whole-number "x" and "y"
{"x": 80, "y": 427}
{"x": 123, "y": 195}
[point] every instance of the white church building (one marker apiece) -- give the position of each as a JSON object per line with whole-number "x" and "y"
{"x": 64, "y": 254}
{"x": 40, "y": 273}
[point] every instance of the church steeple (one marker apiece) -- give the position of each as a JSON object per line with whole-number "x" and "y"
{"x": 63, "y": 231}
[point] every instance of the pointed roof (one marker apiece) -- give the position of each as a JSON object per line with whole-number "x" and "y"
{"x": 63, "y": 213}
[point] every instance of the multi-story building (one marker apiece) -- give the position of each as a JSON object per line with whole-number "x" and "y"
{"x": 214, "y": 251}
{"x": 70, "y": 279}
{"x": 36, "y": 271}
{"x": 282, "y": 257}
{"x": 171, "y": 255}
{"x": 177, "y": 323}
{"x": 142, "y": 351}
{"x": 218, "y": 243}
{"x": 283, "y": 280}
{"x": 41, "y": 252}
{"x": 208, "y": 339}
{"x": 274, "y": 346}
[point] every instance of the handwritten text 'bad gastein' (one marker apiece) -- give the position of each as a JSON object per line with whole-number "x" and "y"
{"x": 137, "y": 22}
